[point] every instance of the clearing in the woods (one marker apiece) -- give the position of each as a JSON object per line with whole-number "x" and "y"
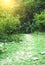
{"x": 29, "y": 51}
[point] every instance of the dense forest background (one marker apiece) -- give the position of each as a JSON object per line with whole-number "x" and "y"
{"x": 25, "y": 16}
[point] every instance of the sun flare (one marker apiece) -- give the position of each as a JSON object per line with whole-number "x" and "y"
{"x": 8, "y": 4}
{"x": 7, "y": 1}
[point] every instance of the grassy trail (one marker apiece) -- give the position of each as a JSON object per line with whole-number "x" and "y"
{"x": 26, "y": 52}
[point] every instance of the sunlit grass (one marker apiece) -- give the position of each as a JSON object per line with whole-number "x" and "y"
{"x": 17, "y": 52}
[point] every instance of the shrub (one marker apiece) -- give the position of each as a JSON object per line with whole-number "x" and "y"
{"x": 9, "y": 24}
{"x": 40, "y": 20}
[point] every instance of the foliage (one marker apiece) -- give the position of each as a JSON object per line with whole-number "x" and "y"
{"x": 27, "y": 12}
{"x": 21, "y": 18}
{"x": 39, "y": 20}
{"x": 8, "y": 23}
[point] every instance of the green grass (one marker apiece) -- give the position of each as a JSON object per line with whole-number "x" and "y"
{"x": 22, "y": 53}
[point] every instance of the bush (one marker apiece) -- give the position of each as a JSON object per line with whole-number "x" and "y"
{"x": 12, "y": 25}
{"x": 10, "y": 38}
{"x": 8, "y": 24}
{"x": 40, "y": 20}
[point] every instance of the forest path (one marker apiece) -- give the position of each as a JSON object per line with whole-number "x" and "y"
{"x": 25, "y": 52}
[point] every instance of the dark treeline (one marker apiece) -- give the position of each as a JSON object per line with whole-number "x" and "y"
{"x": 28, "y": 16}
